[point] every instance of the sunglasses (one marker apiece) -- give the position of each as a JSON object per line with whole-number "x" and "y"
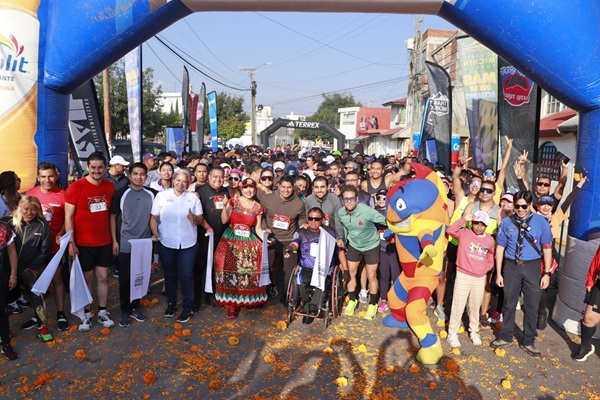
{"x": 475, "y": 183}
{"x": 486, "y": 191}
{"x": 234, "y": 179}
{"x": 521, "y": 206}
{"x": 266, "y": 178}
{"x": 488, "y": 173}
{"x": 349, "y": 199}
{"x": 544, "y": 184}
{"x": 380, "y": 197}
{"x": 314, "y": 218}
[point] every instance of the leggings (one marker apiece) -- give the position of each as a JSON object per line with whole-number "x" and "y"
{"x": 26, "y": 278}
{"x": 389, "y": 270}
{"x": 4, "y": 326}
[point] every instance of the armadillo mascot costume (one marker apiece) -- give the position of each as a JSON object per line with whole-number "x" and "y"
{"x": 416, "y": 215}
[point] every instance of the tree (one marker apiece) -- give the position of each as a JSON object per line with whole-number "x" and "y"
{"x": 231, "y": 117}
{"x": 327, "y": 112}
{"x": 153, "y": 118}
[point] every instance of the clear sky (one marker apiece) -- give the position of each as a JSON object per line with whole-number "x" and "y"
{"x": 309, "y": 54}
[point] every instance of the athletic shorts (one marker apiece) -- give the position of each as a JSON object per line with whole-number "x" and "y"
{"x": 95, "y": 256}
{"x": 594, "y": 297}
{"x": 370, "y": 256}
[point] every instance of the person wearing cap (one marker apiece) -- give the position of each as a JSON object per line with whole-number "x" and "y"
{"x": 542, "y": 186}
{"x": 278, "y": 167}
{"x": 545, "y": 207}
{"x": 507, "y": 206}
{"x": 518, "y": 269}
{"x": 116, "y": 172}
{"x": 149, "y": 161}
{"x": 238, "y": 257}
{"x": 154, "y": 174}
{"x": 475, "y": 258}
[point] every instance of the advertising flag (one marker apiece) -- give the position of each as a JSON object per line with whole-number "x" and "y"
{"x": 479, "y": 67}
{"x": 518, "y": 112}
{"x": 175, "y": 138}
{"x": 185, "y": 99}
{"x": 200, "y": 117}
{"x": 133, "y": 79}
{"x": 212, "y": 119}
{"x": 437, "y": 121}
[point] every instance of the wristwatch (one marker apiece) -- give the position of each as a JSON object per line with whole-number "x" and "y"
{"x": 548, "y": 273}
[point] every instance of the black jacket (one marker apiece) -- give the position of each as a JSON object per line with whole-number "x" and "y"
{"x": 34, "y": 243}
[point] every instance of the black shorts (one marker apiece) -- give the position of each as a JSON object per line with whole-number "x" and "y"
{"x": 370, "y": 256}
{"x": 95, "y": 256}
{"x": 594, "y": 297}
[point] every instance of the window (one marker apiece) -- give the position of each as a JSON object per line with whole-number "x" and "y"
{"x": 553, "y": 105}
{"x": 548, "y": 165}
{"x": 349, "y": 119}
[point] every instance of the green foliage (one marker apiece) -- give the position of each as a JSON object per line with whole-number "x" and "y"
{"x": 327, "y": 112}
{"x": 231, "y": 117}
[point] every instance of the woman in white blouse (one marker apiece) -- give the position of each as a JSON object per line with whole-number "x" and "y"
{"x": 175, "y": 214}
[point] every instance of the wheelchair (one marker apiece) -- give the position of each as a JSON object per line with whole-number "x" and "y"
{"x": 331, "y": 302}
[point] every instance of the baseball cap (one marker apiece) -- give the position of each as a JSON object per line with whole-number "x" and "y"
{"x": 148, "y": 156}
{"x": 118, "y": 160}
{"x": 329, "y": 159}
{"x": 508, "y": 197}
{"x": 225, "y": 165}
{"x": 278, "y": 165}
{"x": 482, "y": 216}
{"x": 248, "y": 182}
{"x": 265, "y": 165}
{"x": 381, "y": 192}
{"x": 336, "y": 153}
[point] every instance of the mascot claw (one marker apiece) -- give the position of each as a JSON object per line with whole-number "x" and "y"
{"x": 427, "y": 256}
{"x": 431, "y": 355}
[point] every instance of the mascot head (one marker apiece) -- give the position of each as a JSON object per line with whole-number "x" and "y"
{"x": 422, "y": 196}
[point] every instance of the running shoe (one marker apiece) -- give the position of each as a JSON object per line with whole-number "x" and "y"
{"x": 22, "y": 303}
{"x": 383, "y": 307}
{"x": 137, "y": 315}
{"x": 29, "y": 324}
{"x": 86, "y": 323}
{"x": 62, "y": 322}
{"x": 184, "y": 316}
{"x": 453, "y": 340}
{"x": 13, "y": 308}
{"x": 475, "y": 339}
{"x": 170, "y": 311}
{"x": 583, "y": 353}
{"x": 44, "y": 334}
{"x": 371, "y": 312}
{"x": 104, "y": 319}
{"x": 352, "y": 305}
{"x": 363, "y": 296}
{"x": 8, "y": 351}
{"x": 124, "y": 321}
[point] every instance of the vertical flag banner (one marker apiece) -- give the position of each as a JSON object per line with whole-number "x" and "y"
{"x": 85, "y": 129}
{"x": 185, "y": 109}
{"x": 200, "y": 117}
{"x": 193, "y": 122}
{"x": 212, "y": 119}
{"x": 133, "y": 79}
{"x": 479, "y": 67}
{"x": 418, "y": 142}
{"x": 437, "y": 126}
{"x": 175, "y": 137}
{"x": 517, "y": 116}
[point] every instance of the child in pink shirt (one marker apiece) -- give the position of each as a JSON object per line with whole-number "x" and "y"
{"x": 475, "y": 257}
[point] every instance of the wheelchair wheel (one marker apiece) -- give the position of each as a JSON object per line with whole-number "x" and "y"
{"x": 292, "y": 294}
{"x": 337, "y": 292}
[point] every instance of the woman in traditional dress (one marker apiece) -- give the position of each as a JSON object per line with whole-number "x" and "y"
{"x": 239, "y": 254}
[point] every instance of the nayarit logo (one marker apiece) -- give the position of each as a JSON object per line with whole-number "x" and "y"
{"x": 517, "y": 89}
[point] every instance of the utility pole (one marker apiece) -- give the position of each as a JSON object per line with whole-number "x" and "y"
{"x": 253, "y": 99}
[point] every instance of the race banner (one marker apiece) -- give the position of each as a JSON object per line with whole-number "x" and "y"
{"x": 85, "y": 127}
{"x": 518, "y": 119}
{"x": 133, "y": 79}
{"x": 479, "y": 67}
{"x": 175, "y": 139}
{"x": 185, "y": 109}
{"x": 437, "y": 120}
{"x": 200, "y": 117}
{"x": 212, "y": 120}
{"x": 193, "y": 111}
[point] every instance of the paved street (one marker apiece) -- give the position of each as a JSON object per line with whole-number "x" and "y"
{"x": 353, "y": 359}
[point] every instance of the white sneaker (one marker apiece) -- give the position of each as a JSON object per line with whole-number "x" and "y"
{"x": 475, "y": 339}
{"x": 86, "y": 323}
{"x": 453, "y": 340}
{"x": 363, "y": 296}
{"x": 104, "y": 319}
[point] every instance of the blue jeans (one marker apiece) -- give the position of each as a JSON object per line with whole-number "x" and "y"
{"x": 179, "y": 265}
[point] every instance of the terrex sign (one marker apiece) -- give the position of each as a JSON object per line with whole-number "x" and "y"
{"x": 516, "y": 87}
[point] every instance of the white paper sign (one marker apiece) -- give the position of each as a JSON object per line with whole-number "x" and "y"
{"x": 43, "y": 282}
{"x": 141, "y": 264}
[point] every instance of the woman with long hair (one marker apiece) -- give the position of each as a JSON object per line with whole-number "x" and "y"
{"x": 234, "y": 179}
{"x": 34, "y": 250}
{"x": 239, "y": 254}
{"x": 10, "y": 184}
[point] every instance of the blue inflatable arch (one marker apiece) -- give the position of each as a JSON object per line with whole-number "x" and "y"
{"x": 553, "y": 42}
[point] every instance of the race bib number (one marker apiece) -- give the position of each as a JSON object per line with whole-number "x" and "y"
{"x": 219, "y": 202}
{"x": 281, "y": 222}
{"x": 241, "y": 230}
{"x": 98, "y": 207}
{"x": 313, "y": 249}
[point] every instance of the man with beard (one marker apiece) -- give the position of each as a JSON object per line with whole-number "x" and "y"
{"x": 329, "y": 203}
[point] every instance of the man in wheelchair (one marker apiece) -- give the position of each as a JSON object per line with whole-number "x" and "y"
{"x": 306, "y": 240}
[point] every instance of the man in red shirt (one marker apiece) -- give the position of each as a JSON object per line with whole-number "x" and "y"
{"x": 52, "y": 199}
{"x": 87, "y": 205}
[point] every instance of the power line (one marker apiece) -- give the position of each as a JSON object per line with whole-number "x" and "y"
{"x": 161, "y": 61}
{"x": 198, "y": 69}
